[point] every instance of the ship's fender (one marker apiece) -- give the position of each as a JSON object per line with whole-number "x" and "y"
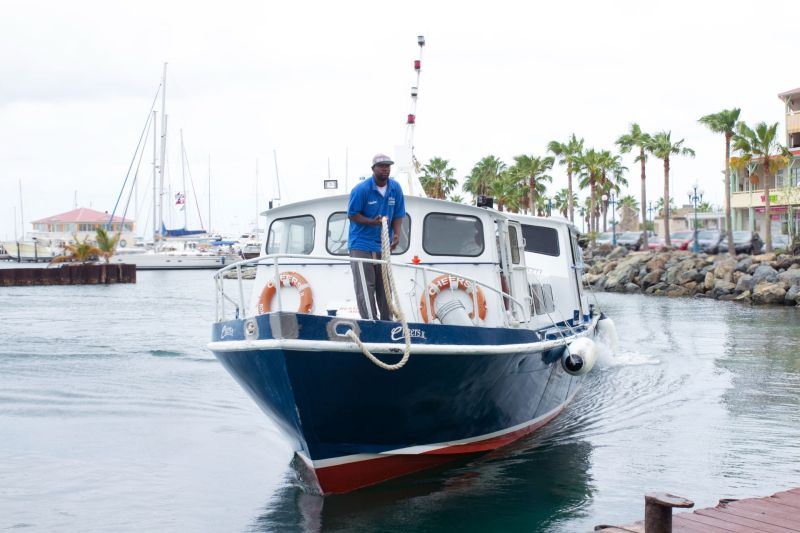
{"x": 607, "y": 332}
{"x": 579, "y": 357}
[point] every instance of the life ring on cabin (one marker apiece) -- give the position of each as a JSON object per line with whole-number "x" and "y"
{"x": 287, "y": 279}
{"x": 448, "y": 281}
{"x": 123, "y": 243}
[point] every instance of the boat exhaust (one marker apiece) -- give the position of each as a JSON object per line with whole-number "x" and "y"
{"x": 579, "y": 357}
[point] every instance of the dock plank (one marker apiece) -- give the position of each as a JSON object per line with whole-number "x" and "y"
{"x": 786, "y": 525}
{"x": 754, "y": 525}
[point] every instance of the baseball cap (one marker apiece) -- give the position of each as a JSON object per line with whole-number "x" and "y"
{"x": 382, "y": 159}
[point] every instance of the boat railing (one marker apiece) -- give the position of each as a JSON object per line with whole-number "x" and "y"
{"x": 239, "y": 303}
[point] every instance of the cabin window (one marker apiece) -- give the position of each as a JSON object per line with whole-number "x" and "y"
{"x": 542, "y": 301}
{"x": 513, "y": 240}
{"x": 447, "y": 234}
{"x": 339, "y": 228}
{"x": 293, "y": 235}
{"x": 541, "y": 240}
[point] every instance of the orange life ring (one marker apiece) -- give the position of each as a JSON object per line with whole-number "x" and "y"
{"x": 288, "y": 279}
{"x": 446, "y": 281}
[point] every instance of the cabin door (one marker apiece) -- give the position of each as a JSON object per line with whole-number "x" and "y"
{"x": 513, "y": 270}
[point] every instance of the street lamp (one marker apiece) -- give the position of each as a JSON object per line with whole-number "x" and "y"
{"x": 695, "y": 196}
{"x": 549, "y": 207}
{"x": 613, "y": 202}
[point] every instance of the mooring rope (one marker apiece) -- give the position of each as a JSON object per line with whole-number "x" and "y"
{"x": 390, "y": 290}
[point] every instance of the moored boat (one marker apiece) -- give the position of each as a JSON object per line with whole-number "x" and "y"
{"x": 505, "y": 348}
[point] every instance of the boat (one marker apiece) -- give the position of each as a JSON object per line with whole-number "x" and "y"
{"x": 510, "y": 339}
{"x": 29, "y": 251}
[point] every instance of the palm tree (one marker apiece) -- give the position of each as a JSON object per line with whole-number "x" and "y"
{"x": 437, "y": 178}
{"x": 534, "y": 168}
{"x": 503, "y": 189}
{"x": 636, "y": 138}
{"x": 457, "y": 198}
{"x": 761, "y": 143}
{"x": 483, "y": 173}
{"x": 725, "y": 122}
{"x": 662, "y": 147}
{"x": 568, "y": 153}
{"x": 79, "y": 252}
{"x": 630, "y": 202}
{"x": 590, "y": 165}
{"x": 611, "y": 178}
{"x": 659, "y": 207}
{"x": 563, "y": 201}
{"x": 106, "y": 244}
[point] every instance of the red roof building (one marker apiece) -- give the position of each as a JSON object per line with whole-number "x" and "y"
{"x": 81, "y": 220}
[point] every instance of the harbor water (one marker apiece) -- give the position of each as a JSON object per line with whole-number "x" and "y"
{"x": 115, "y": 417}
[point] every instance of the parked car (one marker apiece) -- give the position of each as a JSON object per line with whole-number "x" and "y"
{"x": 633, "y": 240}
{"x": 708, "y": 241}
{"x": 656, "y": 243}
{"x": 744, "y": 242}
{"x": 604, "y": 238}
{"x": 779, "y": 242}
{"x": 680, "y": 239}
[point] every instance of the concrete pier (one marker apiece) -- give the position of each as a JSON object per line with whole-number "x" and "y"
{"x": 66, "y": 274}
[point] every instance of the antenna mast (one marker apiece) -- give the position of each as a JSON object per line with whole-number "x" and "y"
{"x": 407, "y": 160}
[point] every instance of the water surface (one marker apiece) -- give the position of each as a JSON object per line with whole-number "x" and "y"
{"x": 114, "y": 416}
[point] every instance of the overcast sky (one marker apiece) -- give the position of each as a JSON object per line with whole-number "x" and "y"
{"x": 314, "y": 81}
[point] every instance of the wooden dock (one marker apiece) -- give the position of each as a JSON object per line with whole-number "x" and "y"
{"x": 779, "y": 513}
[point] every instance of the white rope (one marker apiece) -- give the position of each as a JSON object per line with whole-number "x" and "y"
{"x": 390, "y": 290}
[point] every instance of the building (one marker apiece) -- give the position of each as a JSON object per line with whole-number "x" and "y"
{"x": 747, "y": 189}
{"x": 83, "y": 223}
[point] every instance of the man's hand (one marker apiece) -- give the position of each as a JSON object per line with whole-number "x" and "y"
{"x": 377, "y": 220}
{"x": 395, "y": 240}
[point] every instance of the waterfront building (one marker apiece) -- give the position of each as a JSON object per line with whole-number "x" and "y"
{"x": 82, "y": 222}
{"x": 747, "y": 195}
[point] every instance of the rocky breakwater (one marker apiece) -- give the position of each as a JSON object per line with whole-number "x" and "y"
{"x": 758, "y": 279}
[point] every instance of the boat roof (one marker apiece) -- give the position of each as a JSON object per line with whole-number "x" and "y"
{"x": 329, "y": 204}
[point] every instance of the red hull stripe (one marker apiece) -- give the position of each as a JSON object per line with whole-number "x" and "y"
{"x": 354, "y": 475}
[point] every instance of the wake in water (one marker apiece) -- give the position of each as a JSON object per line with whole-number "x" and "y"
{"x": 608, "y": 352}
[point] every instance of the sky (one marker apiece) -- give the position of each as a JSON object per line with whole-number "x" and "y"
{"x": 304, "y": 87}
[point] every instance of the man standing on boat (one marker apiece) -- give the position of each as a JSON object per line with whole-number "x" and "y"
{"x": 375, "y": 197}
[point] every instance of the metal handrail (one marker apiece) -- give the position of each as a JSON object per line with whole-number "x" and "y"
{"x": 274, "y": 259}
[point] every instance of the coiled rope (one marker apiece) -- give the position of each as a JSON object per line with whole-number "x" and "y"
{"x": 391, "y": 296}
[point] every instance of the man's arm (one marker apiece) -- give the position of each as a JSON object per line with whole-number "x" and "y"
{"x": 358, "y": 218}
{"x": 396, "y": 225}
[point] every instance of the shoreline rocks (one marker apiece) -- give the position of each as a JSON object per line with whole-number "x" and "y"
{"x": 766, "y": 279}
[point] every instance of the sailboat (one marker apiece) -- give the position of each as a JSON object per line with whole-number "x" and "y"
{"x": 174, "y": 249}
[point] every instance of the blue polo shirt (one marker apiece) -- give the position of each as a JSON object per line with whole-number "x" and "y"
{"x": 365, "y": 199}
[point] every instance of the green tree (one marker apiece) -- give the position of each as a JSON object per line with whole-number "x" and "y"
{"x": 105, "y": 243}
{"x": 567, "y": 154}
{"x": 630, "y": 202}
{"x": 534, "y": 169}
{"x": 483, "y": 173}
{"x": 725, "y": 122}
{"x": 590, "y": 164}
{"x": 659, "y": 207}
{"x": 457, "y": 198}
{"x": 761, "y": 143}
{"x": 437, "y": 178}
{"x": 562, "y": 201}
{"x": 636, "y": 138}
{"x": 78, "y": 252}
{"x": 663, "y": 148}
{"x": 611, "y": 179}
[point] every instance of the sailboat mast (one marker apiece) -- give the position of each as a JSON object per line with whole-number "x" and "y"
{"x": 209, "y": 193}
{"x": 21, "y": 214}
{"x": 277, "y": 177}
{"x": 183, "y": 183}
{"x": 256, "y": 196}
{"x": 155, "y": 177}
{"x": 162, "y": 165}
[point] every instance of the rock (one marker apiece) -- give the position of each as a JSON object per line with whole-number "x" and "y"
{"x": 763, "y": 274}
{"x": 591, "y": 279}
{"x": 724, "y": 269}
{"x": 792, "y": 295}
{"x": 652, "y": 278}
{"x": 658, "y": 262}
{"x": 632, "y": 288}
{"x": 743, "y": 284}
{"x": 610, "y": 266}
{"x": 657, "y": 288}
{"x": 764, "y": 258}
{"x": 619, "y": 251}
{"x": 677, "y": 290}
{"x": 685, "y": 277}
{"x": 744, "y": 297}
{"x": 709, "y": 281}
{"x": 744, "y": 264}
{"x": 786, "y": 262}
{"x": 790, "y": 277}
{"x": 769, "y": 293}
{"x": 727, "y": 297}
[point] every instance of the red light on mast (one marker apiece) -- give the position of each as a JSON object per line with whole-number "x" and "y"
{"x": 417, "y": 64}
{"x": 411, "y": 119}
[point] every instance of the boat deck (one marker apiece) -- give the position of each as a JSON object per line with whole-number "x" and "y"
{"x": 778, "y": 513}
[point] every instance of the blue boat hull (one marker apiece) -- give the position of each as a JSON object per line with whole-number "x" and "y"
{"x": 356, "y": 424}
